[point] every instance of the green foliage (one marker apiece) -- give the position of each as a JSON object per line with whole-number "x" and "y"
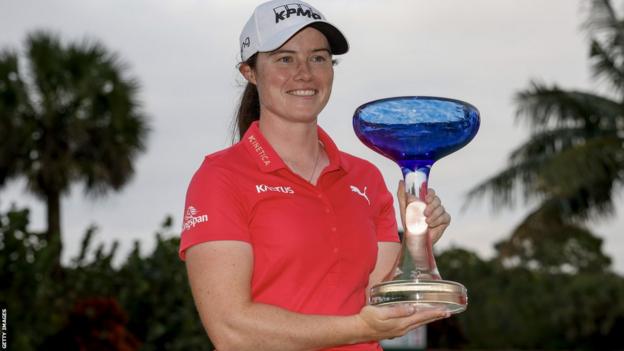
{"x": 546, "y": 242}
{"x": 156, "y": 293}
{"x": 32, "y": 297}
{"x": 94, "y": 324}
{"x": 143, "y": 301}
{"x": 523, "y": 308}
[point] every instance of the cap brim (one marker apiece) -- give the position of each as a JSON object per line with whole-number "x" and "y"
{"x": 337, "y": 41}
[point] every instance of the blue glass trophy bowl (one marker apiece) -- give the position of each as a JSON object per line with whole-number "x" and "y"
{"x": 414, "y": 132}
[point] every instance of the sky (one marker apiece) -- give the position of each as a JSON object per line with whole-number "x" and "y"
{"x": 184, "y": 53}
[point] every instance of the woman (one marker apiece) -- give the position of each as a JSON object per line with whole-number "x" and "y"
{"x": 284, "y": 234}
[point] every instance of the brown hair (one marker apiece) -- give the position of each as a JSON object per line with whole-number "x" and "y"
{"x": 249, "y": 107}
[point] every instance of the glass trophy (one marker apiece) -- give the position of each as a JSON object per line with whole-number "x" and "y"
{"x": 414, "y": 132}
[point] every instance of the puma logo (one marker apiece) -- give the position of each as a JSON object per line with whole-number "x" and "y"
{"x": 361, "y": 193}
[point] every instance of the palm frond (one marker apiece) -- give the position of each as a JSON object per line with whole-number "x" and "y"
{"x": 546, "y": 107}
{"x": 604, "y": 24}
{"x": 505, "y": 187}
{"x": 16, "y": 110}
{"x": 552, "y": 141}
{"x": 45, "y": 55}
{"x": 606, "y": 31}
{"x": 582, "y": 177}
{"x": 112, "y": 117}
{"x": 578, "y": 174}
{"x": 607, "y": 66}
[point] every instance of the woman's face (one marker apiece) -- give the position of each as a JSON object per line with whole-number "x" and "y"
{"x": 294, "y": 82}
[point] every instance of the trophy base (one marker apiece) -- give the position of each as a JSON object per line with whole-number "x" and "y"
{"x": 423, "y": 293}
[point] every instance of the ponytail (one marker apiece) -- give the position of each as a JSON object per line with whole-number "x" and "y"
{"x": 249, "y": 106}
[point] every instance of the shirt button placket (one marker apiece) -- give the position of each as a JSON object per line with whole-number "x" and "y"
{"x": 333, "y": 233}
{"x": 325, "y": 202}
{"x": 331, "y": 222}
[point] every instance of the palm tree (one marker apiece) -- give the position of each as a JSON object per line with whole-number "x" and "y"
{"x": 68, "y": 114}
{"x": 573, "y": 162}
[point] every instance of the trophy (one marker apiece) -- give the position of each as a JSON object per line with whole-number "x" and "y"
{"x": 414, "y": 132}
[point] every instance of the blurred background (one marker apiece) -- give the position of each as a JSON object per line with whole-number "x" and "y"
{"x": 108, "y": 107}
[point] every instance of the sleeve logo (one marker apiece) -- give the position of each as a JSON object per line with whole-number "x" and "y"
{"x": 191, "y": 218}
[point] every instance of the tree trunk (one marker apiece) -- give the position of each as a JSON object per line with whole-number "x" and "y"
{"x": 53, "y": 234}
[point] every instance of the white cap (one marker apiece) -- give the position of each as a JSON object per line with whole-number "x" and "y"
{"x": 274, "y": 22}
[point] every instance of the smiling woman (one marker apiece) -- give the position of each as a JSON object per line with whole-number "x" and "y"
{"x": 294, "y": 81}
{"x": 296, "y": 230}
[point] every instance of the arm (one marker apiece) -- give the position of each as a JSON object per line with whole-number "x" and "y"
{"x": 220, "y": 277}
{"x": 387, "y": 260}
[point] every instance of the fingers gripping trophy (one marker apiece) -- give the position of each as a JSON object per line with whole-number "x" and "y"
{"x": 414, "y": 132}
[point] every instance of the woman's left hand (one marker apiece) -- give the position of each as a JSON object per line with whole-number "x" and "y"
{"x": 436, "y": 216}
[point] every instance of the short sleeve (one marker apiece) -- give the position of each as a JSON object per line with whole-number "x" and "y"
{"x": 214, "y": 210}
{"x": 385, "y": 221}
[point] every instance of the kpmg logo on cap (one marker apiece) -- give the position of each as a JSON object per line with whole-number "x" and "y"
{"x": 285, "y": 11}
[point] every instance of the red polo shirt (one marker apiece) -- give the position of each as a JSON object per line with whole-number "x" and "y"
{"x": 314, "y": 246}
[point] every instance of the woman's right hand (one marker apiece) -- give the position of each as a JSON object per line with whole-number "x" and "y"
{"x": 386, "y": 322}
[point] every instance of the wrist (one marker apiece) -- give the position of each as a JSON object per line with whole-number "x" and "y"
{"x": 362, "y": 331}
{"x": 356, "y": 329}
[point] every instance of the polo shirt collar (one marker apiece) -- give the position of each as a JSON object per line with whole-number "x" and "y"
{"x": 260, "y": 150}
{"x": 268, "y": 160}
{"x": 335, "y": 161}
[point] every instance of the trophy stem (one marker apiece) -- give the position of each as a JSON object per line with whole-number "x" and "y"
{"x": 417, "y": 260}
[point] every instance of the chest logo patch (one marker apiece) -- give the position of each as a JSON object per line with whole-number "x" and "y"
{"x": 356, "y": 190}
{"x": 262, "y": 188}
